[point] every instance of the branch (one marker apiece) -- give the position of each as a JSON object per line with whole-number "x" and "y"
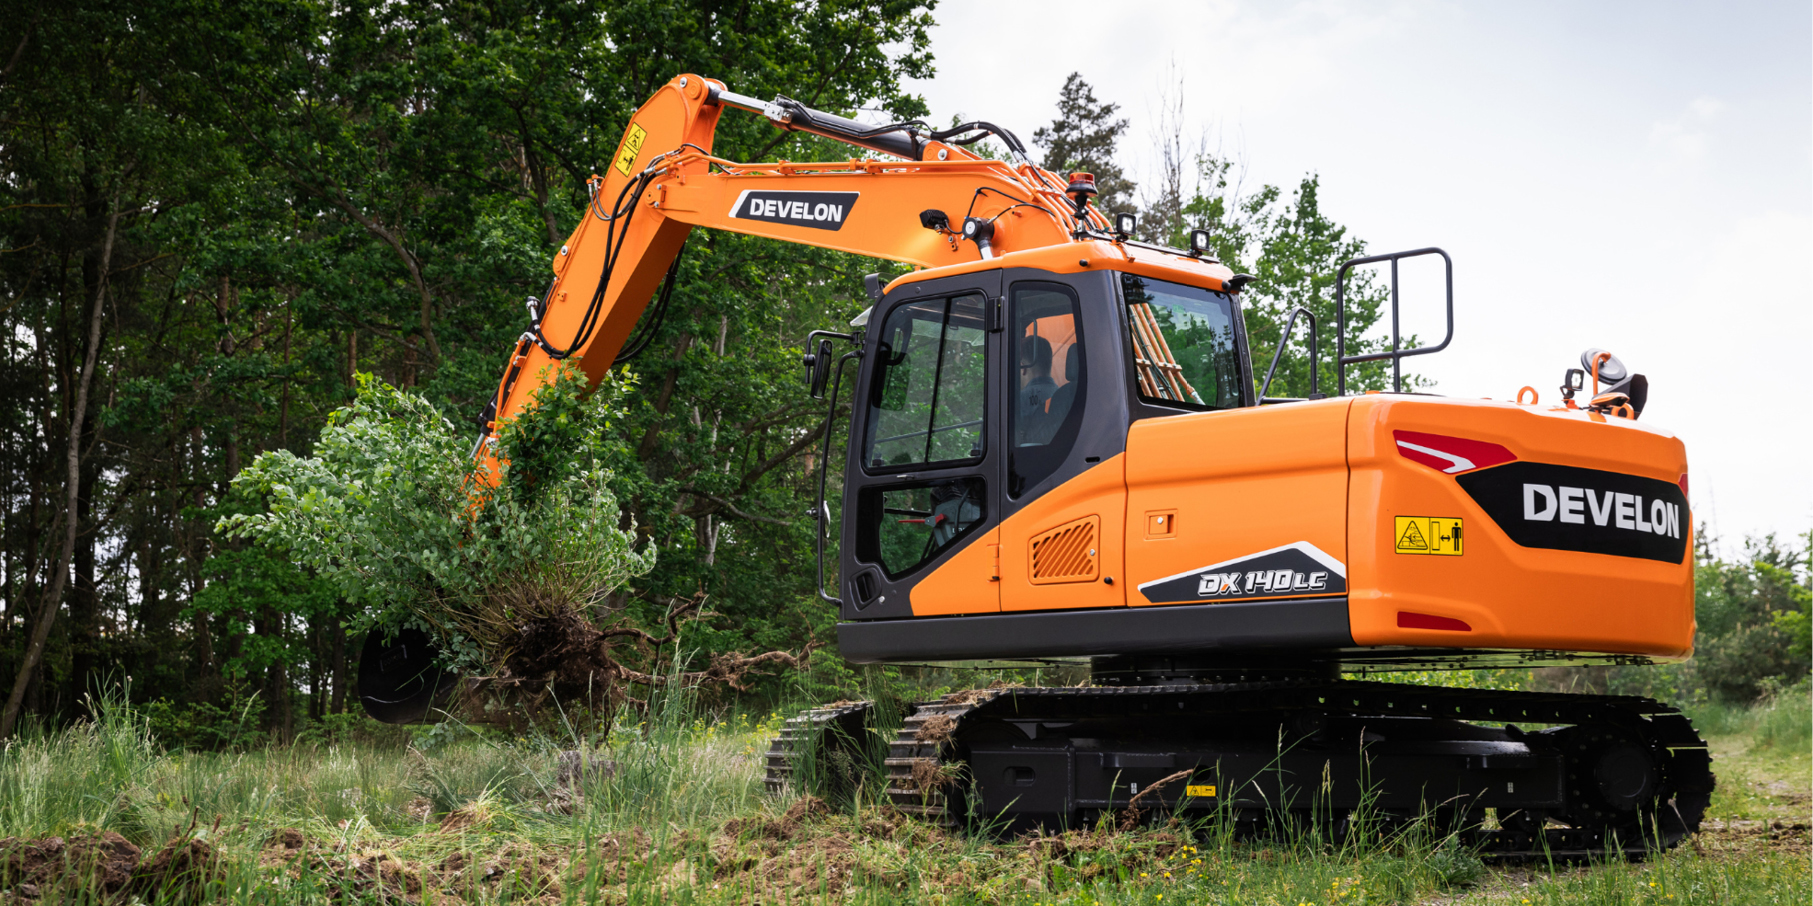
{"x": 728, "y": 669}
{"x": 340, "y": 201}
{"x": 778, "y": 416}
{"x": 792, "y": 450}
{"x": 19, "y": 51}
{"x": 1130, "y": 816}
{"x": 677, "y": 609}
{"x": 728, "y": 507}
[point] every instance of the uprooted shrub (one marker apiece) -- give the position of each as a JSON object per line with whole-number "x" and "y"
{"x": 508, "y": 559}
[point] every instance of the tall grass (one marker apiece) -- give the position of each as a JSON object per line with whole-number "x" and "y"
{"x": 1784, "y": 720}
{"x": 654, "y": 829}
{"x": 1787, "y": 721}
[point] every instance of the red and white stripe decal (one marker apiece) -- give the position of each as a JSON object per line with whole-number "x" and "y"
{"x": 1452, "y": 455}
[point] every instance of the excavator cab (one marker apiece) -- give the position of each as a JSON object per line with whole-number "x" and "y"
{"x": 979, "y": 394}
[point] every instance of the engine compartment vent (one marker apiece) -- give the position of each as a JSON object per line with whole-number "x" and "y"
{"x": 1068, "y": 553}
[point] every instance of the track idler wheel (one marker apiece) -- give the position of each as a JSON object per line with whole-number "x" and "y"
{"x": 1614, "y": 780}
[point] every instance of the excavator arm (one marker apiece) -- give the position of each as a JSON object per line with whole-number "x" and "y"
{"x": 931, "y": 203}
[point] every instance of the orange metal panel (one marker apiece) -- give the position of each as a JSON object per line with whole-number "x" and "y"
{"x": 966, "y": 583}
{"x": 1101, "y": 492}
{"x": 1235, "y": 483}
{"x": 1510, "y": 596}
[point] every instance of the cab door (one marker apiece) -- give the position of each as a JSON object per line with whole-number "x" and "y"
{"x": 1063, "y": 430}
{"x": 921, "y": 487}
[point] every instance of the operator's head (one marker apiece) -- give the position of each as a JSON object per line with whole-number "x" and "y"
{"x": 1035, "y": 358}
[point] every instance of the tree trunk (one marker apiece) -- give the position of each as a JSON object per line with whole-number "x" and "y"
{"x": 84, "y": 597}
{"x": 34, "y": 652}
{"x": 268, "y": 624}
{"x": 283, "y": 411}
{"x": 9, "y": 597}
{"x": 339, "y": 705}
{"x": 665, "y": 398}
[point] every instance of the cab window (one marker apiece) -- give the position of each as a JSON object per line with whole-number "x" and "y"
{"x": 1048, "y": 381}
{"x": 903, "y": 528}
{"x": 1183, "y": 344}
{"x": 929, "y": 388}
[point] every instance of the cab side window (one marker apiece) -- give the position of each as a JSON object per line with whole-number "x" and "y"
{"x": 908, "y": 526}
{"x": 1048, "y": 383}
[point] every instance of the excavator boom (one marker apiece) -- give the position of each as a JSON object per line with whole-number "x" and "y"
{"x": 664, "y": 181}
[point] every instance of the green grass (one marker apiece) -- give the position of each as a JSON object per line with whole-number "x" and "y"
{"x": 684, "y": 820}
{"x": 1763, "y": 756}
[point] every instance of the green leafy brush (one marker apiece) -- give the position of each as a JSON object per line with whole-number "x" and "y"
{"x": 510, "y": 562}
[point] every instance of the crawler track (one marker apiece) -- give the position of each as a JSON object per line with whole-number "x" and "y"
{"x": 1611, "y": 773}
{"x": 807, "y": 734}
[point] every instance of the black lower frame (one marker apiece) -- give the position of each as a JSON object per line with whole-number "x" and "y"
{"x": 1283, "y": 637}
{"x": 1300, "y": 623}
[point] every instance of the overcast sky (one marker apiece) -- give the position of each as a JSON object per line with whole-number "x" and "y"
{"x": 1634, "y": 176}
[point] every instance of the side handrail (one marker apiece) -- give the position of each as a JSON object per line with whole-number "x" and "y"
{"x": 1315, "y": 359}
{"x": 1396, "y": 354}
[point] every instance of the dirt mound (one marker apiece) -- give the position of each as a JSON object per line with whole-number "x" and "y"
{"x": 785, "y": 827}
{"x": 1091, "y": 854}
{"x": 522, "y": 871}
{"x": 928, "y": 775}
{"x": 881, "y": 827}
{"x": 810, "y": 847}
{"x": 616, "y": 856}
{"x": 776, "y": 868}
{"x": 106, "y": 867}
{"x": 98, "y": 865}
{"x": 968, "y": 697}
{"x": 282, "y": 847}
{"x": 378, "y": 876}
{"x": 464, "y": 818}
{"x": 364, "y": 877}
{"x": 181, "y": 871}
{"x": 1741, "y": 839}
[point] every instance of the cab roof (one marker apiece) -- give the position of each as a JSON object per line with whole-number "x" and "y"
{"x": 1089, "y": 254}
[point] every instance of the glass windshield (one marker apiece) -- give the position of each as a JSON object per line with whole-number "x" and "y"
{"x": 1184, "y": 350}
{"x": 930, "y": 384}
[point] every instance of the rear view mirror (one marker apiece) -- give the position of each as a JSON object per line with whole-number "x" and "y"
{"x": 818, "y": 368}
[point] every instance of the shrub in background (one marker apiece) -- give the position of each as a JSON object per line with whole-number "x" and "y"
{"x": 1752, "y": 615}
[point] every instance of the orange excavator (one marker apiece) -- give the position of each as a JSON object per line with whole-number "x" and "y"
{"x": 1056, "y": 454}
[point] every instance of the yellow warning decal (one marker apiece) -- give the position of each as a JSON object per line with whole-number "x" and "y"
{"x": 1200, "y": 791}
{"x": 1428, "y": 535}
{"x": 632, "y": 146}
